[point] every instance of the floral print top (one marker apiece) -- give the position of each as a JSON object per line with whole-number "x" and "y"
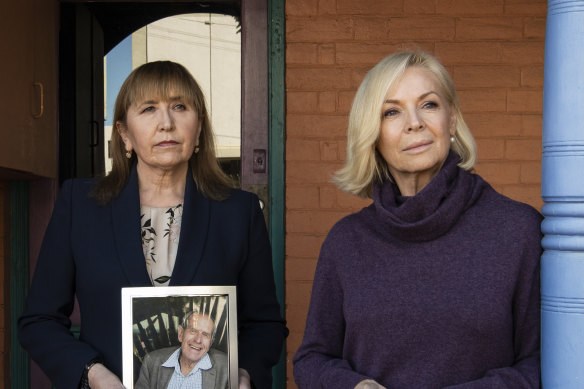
{"x": 160, "y": 236}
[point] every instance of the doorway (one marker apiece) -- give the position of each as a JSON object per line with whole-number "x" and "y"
{"x": 90, "y": 29}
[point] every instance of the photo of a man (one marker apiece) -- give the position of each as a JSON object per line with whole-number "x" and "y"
{"x": 195, "y": 364}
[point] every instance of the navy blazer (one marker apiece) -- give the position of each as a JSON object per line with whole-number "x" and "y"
{"x": 92, "y": 251}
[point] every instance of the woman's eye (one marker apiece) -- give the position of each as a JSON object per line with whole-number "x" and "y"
{"x": 430, "y": 105}
{"x": 390, "y": 112}
{"x": 148, "y": 109}
{"x": 180, "y": 107}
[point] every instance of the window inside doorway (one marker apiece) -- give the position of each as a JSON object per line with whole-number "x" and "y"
{"x": 209, "y": 46}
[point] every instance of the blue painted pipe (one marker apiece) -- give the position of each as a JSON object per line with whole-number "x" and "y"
{"x": 562, "y": 264}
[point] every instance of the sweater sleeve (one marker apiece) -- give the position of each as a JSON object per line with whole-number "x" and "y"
{"x": 319, "y": 362}
{"x": 261, "y": 328}
{"x": 44, "y": 327}
{"x": 525, "y": 371}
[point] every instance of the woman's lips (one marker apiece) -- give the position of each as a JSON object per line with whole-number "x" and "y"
{"x": 418, "y": 146}
{"x": 167, "y": 143}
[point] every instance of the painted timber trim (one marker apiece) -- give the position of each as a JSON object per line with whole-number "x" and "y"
{"x": 277, "y": 147}
{"x": 19, "y": 279}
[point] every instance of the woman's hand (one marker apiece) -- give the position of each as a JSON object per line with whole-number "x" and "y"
{"x": 100, "y": 377}
{"x": 369, "y": 384}
{"x": 244, "y": 380}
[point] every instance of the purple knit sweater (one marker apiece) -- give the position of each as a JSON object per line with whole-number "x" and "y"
{"x": 439, "y": 290}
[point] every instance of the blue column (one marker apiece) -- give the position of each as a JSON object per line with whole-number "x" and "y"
{"x": 562, "y": 272}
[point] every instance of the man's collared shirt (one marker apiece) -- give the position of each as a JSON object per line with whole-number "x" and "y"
{"x": 194, "y": 379}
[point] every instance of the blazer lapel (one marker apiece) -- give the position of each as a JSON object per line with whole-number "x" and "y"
{"x": 209, "y": 377}
{"x": 127, "y": 232}
{"x": 193, "y": 233}
{"x": 164, "y": 376}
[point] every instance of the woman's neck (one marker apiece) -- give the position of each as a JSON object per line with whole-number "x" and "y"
{"x": 410, "y": 184}
{"x": 162, "y": 188}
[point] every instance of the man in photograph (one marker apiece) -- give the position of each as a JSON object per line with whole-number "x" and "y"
{"x": 193, "y": 365}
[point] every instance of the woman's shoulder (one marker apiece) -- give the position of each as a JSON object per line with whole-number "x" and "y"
{"x": 353, "y": 225}
{"x": 500, "y": 206}
{"x": 238, "y": 196}
{"x": 83, "y": 184}
{"x": 238, "y": 201}
{"x": 511, "y": 205}
{"x": 78, "y": 188}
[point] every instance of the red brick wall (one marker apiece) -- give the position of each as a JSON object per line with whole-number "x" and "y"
{"x": 494, "y": 50}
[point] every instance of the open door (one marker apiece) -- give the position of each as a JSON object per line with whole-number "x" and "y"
{"x": 81, "y": 102}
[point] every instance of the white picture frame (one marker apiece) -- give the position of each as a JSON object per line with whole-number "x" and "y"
{"x": 151, "y": 316}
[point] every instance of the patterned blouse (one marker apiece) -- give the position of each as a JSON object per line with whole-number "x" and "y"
{"x": 160, "y": 235}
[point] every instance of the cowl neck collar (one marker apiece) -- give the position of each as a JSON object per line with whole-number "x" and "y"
{"x": 434, "y": 210}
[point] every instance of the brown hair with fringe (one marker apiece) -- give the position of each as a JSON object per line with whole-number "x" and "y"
{"x": 161, "y": 79}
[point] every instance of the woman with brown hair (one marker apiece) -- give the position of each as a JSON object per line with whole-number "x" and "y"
{"x": 165, "y": 215}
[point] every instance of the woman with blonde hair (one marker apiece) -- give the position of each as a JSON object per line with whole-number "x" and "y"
{"x": 436, "y": 283}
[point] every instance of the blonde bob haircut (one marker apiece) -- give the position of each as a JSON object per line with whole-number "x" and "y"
{"x": 365, "y": 165}
{"x": 162, "y": 80}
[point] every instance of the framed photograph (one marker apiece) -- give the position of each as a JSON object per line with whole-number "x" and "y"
{"x": 188, "y": 330}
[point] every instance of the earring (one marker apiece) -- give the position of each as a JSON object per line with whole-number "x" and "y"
{"x": 129, "y": 154}
{"x": 197, "y": 149}
{"x": 452, "y": 139}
